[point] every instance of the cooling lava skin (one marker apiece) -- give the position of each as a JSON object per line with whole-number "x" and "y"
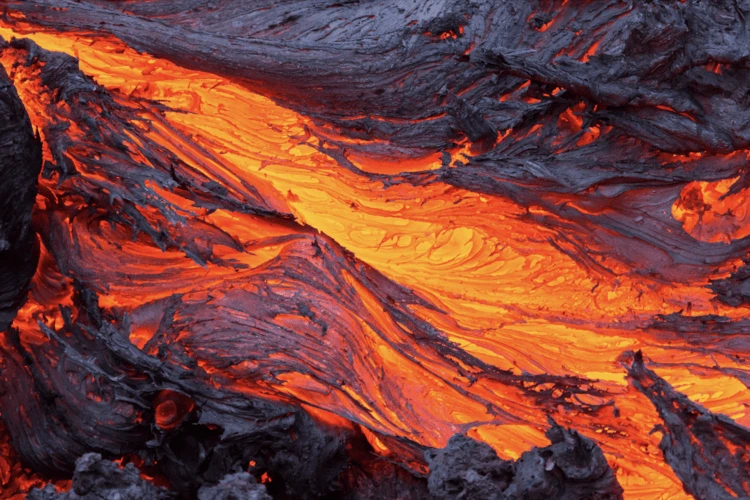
{"x": 397, "y": 249}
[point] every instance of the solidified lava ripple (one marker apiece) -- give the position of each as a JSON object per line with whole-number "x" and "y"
{"x": 314, "y": 241}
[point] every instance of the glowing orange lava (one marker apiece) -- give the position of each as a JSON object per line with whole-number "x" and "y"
{"x": 495, "y": 281}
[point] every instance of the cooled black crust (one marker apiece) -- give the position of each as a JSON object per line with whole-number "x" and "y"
{"x": 20, "y": 163}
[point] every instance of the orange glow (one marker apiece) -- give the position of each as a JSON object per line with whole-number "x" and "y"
{"x": 591, "y": 51}
{"x": 171, "y": 408}
{"x": 709, "y": 212}
{"x": 488, "y": 274}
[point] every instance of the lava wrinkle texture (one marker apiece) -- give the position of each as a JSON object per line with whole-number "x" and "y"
{"x": 408, "y": 249}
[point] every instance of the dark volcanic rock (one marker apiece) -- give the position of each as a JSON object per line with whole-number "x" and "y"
{"x": 239, "y": 486}
{"x": 571, "y": 468}
{"x": 98, "y": 479}
{"x": 467, "y": 468}
{"x": 646, "y": 80}
{"x": 707, "y": 451}
{"x": 594, "y": 114}
{"x": 111, "y": 390}
{"x": 735, "y": 289}
{"x": 20, "y": 162}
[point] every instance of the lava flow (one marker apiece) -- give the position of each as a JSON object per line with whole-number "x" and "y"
{"x": 408, "y": 249}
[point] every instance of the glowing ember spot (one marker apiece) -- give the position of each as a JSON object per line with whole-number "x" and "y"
{"x": 715, "y": 67}
{"x": 546, "y": 26}
{"x": 451, "y": 34}
{"x": 591, "y": 51}
{"x": 710, "y": 212}
{"x": 171, "y": 408}
{"x": 492, "y": 281}
{"x": 375, "y": 442}
{"x": 589, "y": 136}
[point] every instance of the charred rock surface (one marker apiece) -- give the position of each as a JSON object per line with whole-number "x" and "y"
{"x": 20, "y": 163}
{"x": 596, "y": 101}
{"x": 87, "y": 388}
{"x": 112, "y": 406}
{"x": 572, "y": 467}
{"x": 98, "y": 479}
{"x": 113, "y": 384}
{"x": 735, "y": 289}
{"x": 468, "y": 468}
{"x": 186, "y": 318}
{"x": 707, "y": 451}
{"x": 239, "y": 486}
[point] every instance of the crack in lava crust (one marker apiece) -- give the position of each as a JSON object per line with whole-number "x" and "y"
{"x": 455, "y": 225}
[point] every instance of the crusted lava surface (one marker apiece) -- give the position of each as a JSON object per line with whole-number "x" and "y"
{"x": 20, "y": 163}
{"x": 319, "y": 249}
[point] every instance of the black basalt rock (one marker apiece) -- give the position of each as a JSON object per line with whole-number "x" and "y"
{"x": 239, "y": 486}
{"x": 20, "y": 163}
{"x": 706, "y": 450}
{"x": 571, "y": 468}
{"x": 98, "y": 479}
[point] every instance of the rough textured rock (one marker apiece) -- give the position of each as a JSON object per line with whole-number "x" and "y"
{"x": 20, "y": 163}
{"x": 588, "y": 110}
{"x": 571, "y": 468}
{"x": 592, "y": 118}
{"x": 735, "y": 289}
{"x": 239, "y": 486}
{"x": 707, "y": 451}
{"x": 114, "y": 390}
{"x": 467, "y": 468}
{"x": 98, "y": 479}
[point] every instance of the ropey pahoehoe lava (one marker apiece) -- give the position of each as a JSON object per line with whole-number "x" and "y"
{"x": 374, "y": 249}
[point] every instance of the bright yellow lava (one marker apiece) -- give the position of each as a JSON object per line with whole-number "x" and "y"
{"x": 507, "y": 295}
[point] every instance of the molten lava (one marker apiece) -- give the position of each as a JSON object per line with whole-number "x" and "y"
{"x": 501, "y": 259}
